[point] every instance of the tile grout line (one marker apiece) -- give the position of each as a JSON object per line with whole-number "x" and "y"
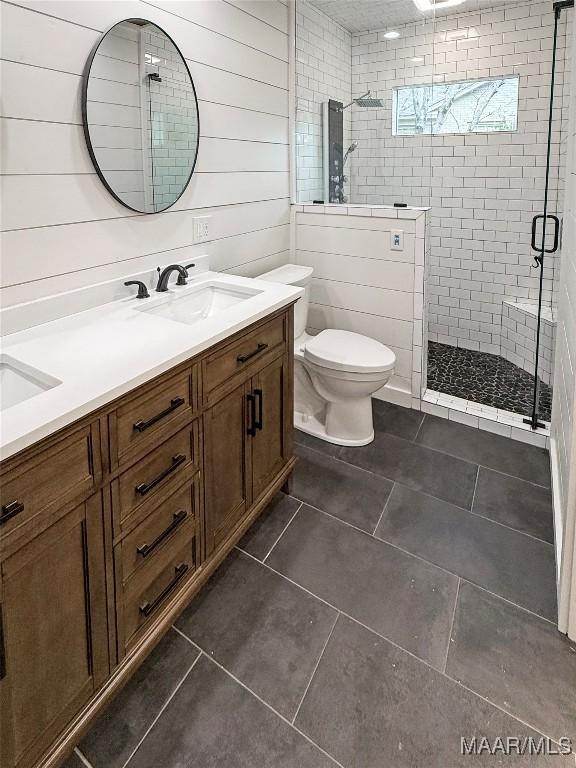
{"x": 270, "y": 707}
{"x": 452, "y": 625}
{"x": 508, "y": 527}
{"x": 82, "y": 757}
{"x": 395, "y": 645}
{"x": 383, "y": 509}
{"x": 469, "y": 581}
{"x": 315, "y": 668}
{"x": 168, "y": 700}
{"x": 419, "y": 428}
{"x": 416, "y": 557}
{"x": 475, "y": 488}
{"x": 298, "y": 508}
{"x": 426, "y": 447}
{"x": 437, "y": 498}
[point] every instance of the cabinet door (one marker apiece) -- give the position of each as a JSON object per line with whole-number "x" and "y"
{"x": 272, "y": 443}
{"x": 226, "y": 466}
{"x": 54, "y": 650}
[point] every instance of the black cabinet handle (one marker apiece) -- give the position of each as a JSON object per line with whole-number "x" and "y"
{"x": 178, "y": 518}
{"x": 176, "y": 402}
{"x": 144, "y": 488}
{"x": 10, "y": 510}
{"x": 251, "y": 415}
{"x": 179, "y": 572}
{"x": 259, "y": 420}
{"x": 244, "y": 358}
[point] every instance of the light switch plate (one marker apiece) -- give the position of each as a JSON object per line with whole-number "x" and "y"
{"x": 397, "y": 240}
{"x": 202, "y": 229}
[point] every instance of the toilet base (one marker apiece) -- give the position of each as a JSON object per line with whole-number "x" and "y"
{"x": 312, "y": 426}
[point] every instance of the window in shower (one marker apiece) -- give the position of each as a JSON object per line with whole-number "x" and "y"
{"x": 467, "y": 106}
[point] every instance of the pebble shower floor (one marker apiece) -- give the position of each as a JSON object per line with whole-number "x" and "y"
{"x": 484, "y": 378}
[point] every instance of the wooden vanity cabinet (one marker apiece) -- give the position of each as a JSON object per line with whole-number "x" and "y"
{"x": 109, "y": 527}
{"x": 54, "y": 632}
{"x": 247, "y": 443}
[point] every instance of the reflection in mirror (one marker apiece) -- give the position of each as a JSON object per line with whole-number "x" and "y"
{"x": 141, "y": 116}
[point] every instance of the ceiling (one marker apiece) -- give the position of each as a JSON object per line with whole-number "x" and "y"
{"x": 364, "y": 15}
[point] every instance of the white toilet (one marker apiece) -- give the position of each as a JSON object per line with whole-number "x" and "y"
{"x": 336, "y": 372}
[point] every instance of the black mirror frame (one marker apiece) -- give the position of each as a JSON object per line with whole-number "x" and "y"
{"x": 86, "y": 78}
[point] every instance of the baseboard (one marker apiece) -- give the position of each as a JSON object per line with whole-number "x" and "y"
{"x": 394, "y": 395}
{"x": 556, "y": 509}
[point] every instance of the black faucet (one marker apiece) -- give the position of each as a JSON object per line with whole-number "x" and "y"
{"x": 162, "y": 286}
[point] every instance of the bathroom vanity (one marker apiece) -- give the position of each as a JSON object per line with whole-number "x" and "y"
{"x": 111, "y": 524}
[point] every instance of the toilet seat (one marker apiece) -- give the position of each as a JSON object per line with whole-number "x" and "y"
{"x": 350, "y": 352}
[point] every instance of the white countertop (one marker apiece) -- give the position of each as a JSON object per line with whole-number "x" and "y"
{"x": 103, "y": 353}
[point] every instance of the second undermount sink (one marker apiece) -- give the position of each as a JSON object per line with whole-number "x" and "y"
{"x": 20, "y": 382}
{"x": 199, "y": 303}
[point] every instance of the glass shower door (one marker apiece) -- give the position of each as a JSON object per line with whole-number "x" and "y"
{"x": 546, "y": 227}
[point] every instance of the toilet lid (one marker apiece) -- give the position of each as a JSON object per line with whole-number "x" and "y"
{"x": 346, "y": 351}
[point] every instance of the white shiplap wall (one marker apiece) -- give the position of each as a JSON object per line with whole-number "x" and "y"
{"x": 361, "y": 285}
{"x": 61, "y": 228}
{"x": 563, "y": 428}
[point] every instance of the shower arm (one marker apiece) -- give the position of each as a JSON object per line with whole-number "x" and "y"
{"x": 354, "y": 101}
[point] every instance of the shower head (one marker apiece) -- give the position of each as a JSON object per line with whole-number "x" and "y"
{"x": 369, "y": 102}
{"x": 352, "y": 148}
{"x": 366, "y": 101}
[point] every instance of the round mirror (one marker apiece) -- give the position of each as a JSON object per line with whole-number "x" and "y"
{"x": 140, "y": 116}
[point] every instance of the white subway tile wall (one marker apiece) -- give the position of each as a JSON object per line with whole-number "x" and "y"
{"x": 61, "y": 227}
{"x": 323, "y": 72}
{"x": 485, "y": 188}
{"x": 519, "y": 330}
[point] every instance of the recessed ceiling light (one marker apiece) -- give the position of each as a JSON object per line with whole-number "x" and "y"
{"x": 392, "y": 35}
{"x": 417, "y": 59}
{"x": 431, "y": 5}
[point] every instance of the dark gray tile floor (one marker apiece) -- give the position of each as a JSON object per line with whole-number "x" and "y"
{"x": 402, "y": 598}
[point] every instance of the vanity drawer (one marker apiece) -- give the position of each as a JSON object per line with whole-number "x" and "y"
{"x": 145, "y": 484}
{"x": 67, "y": 470}
{"x": 150, "y": 589}
{"x": 141, "y": 421}
{"x": 164, "y": 528}
{"x": 243, "y": 354}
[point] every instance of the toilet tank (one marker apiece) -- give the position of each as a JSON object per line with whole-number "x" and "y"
{"x": 294, "y": 274}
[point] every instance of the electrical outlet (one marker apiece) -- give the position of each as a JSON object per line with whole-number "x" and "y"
{"x": 397, "y": 240}
{"x": 202, "y": 229}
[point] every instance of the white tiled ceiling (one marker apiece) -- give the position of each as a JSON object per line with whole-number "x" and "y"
{"x": 363, "y": 15}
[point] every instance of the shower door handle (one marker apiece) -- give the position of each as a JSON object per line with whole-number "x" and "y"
{"x": 542, "y": 249}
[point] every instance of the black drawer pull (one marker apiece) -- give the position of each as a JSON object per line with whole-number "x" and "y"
{"x": 179, "y": 572}
{"x": 244, "y": 358}
{"x": 176, "y": 402}
{"x": 10, "y": 510}
{"x": 259, "y": 421}
{"x": 144, "y": 488}
{"x": 178, "y": 518}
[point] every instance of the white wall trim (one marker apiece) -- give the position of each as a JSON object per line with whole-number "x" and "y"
{"x": 556, "y": 509}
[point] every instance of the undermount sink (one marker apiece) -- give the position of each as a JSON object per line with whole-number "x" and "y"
{"x": 19, "y": 382}
{"x": 198, "y": 304}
